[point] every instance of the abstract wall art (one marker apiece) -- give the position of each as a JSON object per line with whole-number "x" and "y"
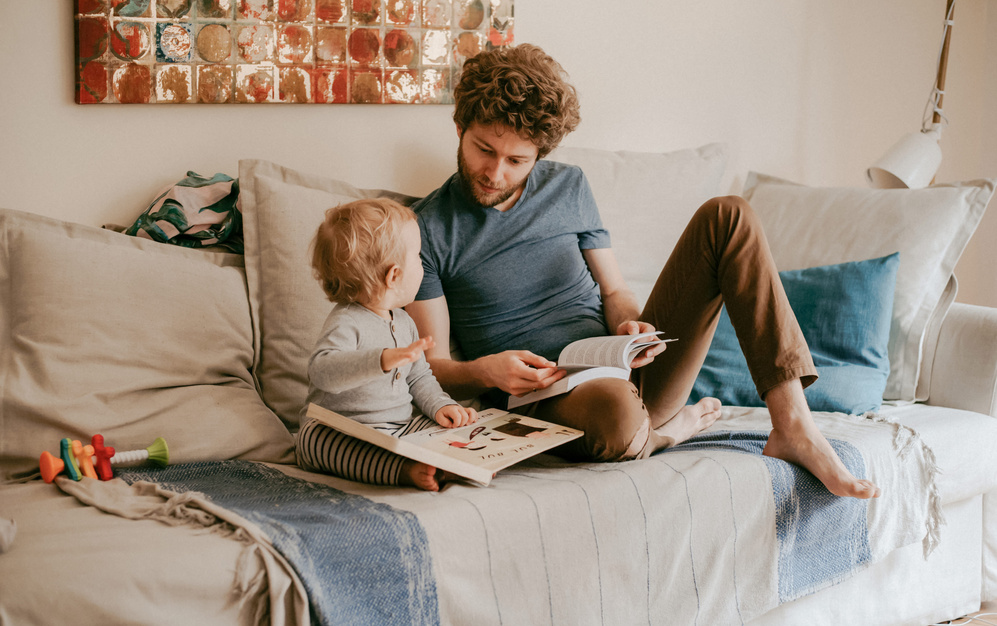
{"x": 281, "y": 51}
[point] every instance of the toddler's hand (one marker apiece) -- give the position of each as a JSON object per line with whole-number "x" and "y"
{"x": 455, "y": 416}
{"x": 396, "y": 357}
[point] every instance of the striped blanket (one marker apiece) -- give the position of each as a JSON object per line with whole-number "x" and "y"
{"x": 709, "y": 532}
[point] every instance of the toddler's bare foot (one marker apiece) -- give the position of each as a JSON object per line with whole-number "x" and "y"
{"x": 803, "y": 444}
{"x": 420, "y": 475}
{"x": 690, "y": 420}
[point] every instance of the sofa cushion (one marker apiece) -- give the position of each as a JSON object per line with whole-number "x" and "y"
{"x": 808, "y": 226}
{"x": 282, "y": 208}
{"x": 964, "y": 444}
{"x": 645, "y": 200}
{"x": 844, "y": 311}
{"x": 132, "y": 339}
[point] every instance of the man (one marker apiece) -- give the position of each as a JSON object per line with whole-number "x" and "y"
{"x": 518, "y": 265}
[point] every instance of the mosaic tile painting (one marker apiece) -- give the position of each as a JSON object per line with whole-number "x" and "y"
{"x": 294, "y": 51}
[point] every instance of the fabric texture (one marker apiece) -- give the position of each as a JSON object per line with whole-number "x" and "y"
{"x": 282, "y": 209}
{"x": 844, "y": 311}
{"x": 320, "y": 448}
{"x": 362, "y": 562}
{"x": 196, "y": 212}
{"x": 480, "y": 256}
{"x": 808, "y": 226}
{"x": 144, "y": 560}
{"x": 646, "y": 198}
{"x": 110, "y": 334}
{"x": 822, "y": 538}
{"x": 965, "y": 374}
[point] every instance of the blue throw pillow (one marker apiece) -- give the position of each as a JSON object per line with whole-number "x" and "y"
{"x": 845, "y": 312}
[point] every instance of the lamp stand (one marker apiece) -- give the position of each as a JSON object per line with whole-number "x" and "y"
{"x": 943, "y": 63}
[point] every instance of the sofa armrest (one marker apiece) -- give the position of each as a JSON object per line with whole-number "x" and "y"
{"x": 964, "y": 372}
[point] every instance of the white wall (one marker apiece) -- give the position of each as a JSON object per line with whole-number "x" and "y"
{"x": 805, "y": 89}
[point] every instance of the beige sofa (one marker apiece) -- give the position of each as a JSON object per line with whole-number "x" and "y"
{"x": 104, "y": 333}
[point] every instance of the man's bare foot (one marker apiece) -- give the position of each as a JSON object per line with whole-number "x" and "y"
{"x": 690, "y": 420}
{"x": 808, "y": 448}
{"x": 796, "y": 439}
{"x": 420, "y": 475}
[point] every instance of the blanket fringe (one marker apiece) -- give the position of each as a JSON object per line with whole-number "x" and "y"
{"x": 905, "y": 441}
{"x": 252, "y": 585}
{"x": 252, "y": 582}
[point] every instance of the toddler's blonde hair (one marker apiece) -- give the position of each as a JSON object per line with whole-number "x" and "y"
{"x": 356, "y": 245}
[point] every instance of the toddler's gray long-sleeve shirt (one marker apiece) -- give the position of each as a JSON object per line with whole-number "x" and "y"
{"x": 345, "y": 376}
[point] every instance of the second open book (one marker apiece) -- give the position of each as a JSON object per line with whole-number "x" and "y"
{"x": 591, "y": 358}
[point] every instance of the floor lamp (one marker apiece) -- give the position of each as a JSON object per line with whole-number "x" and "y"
{"x": 913, "y": 161}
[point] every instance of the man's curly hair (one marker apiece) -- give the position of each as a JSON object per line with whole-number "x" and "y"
{"x": 520, "y": 87}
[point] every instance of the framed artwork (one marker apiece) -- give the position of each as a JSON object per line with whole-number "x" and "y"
{"x": 281, "y": 51}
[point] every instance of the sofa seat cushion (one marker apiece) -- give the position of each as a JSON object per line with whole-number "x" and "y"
{"x": 964, "y": 444}
{"x": 138, "y": 571}
{"x": 102, "y": 333}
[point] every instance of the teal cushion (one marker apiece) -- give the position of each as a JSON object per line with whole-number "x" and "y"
{"x": 845, "y": 312}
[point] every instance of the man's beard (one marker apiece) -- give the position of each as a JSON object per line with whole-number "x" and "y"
{"x": 470, "y": 184}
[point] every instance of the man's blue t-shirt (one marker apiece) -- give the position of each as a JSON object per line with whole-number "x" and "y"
{"x": 515, "y": 280}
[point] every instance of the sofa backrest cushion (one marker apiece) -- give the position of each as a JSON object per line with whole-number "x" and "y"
{"x": 645, "y": 200}
{"x": 930, "y": 227}
{"x": 102, "y": 333}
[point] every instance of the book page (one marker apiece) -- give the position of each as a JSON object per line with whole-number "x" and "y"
{"x": 609, "y": 351}
{"x": 497, "y": 440}
{"x": 566, "y": 384}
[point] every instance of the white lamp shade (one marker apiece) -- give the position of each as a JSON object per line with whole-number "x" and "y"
{"x": 910, "y": 163}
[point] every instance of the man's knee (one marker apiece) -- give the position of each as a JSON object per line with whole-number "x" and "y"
{"x": 726, "y": 208}
{"x": 612, "y": 415}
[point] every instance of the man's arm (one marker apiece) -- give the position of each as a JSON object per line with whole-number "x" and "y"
{"x": 432, "y": 319}
{"x": 513, "y": 371}
{"x": 619, "y": 305}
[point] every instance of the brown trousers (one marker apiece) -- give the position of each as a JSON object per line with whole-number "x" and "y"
{"x": 721, "y": 258}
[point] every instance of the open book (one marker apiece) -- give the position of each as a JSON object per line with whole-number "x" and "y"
{"x": 476, "y": 451}
{"x": 591, "y": 358}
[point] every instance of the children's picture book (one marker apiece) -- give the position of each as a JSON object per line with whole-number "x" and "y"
{"x": 476, "y": 451}
{"x": 591, "y": 358}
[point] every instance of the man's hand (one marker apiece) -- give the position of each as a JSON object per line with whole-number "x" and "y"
{"x": 455, "y": 416}
{"x": 634, "y": 327}
{"x": 519, "y": 371}
{"x": 395, "y": 357}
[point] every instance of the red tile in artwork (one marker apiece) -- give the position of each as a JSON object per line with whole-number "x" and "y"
{"x": 132, "y": 84}
{"x": 91, "y": 85}
{"x": 130, "y": 40}
{"x": 330, "y": 85}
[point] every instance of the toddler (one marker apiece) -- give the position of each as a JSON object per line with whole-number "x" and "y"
{"x": 368, "y": 363}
